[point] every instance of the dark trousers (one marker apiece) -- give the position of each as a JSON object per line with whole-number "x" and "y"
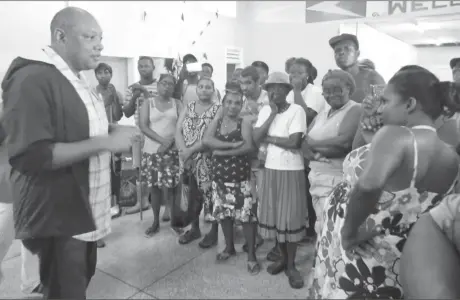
{"x": 66, "y": 265}
{"x": 311, "y": 209}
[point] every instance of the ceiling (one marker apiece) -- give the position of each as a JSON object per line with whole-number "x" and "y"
{"x": 421, "y": 32}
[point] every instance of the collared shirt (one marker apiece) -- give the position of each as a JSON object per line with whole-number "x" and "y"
{"x": 99, "y": 165}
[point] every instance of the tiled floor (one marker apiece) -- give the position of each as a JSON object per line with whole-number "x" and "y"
{"x": 132, "y": 266}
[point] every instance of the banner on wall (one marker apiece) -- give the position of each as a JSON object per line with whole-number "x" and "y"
{"x": 323, "y": 11}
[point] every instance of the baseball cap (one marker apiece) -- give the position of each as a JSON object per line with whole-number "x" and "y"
{"x": 344, "y": 37}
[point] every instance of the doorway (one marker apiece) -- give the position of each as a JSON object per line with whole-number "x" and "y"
{"x": 230, "y": 69}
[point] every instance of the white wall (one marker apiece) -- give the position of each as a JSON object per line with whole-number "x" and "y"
{"x": 277, "y": 31}
{"x": 162, "y": 34}
{"x": 437, "y": 59}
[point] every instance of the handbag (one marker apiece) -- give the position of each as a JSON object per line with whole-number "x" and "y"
{"x": 182, "y": 213}
{"x": 128, "y": 189}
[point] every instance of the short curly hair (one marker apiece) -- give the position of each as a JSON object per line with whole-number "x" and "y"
{"x": 343, "y": 76}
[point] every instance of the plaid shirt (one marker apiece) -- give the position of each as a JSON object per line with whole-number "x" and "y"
{"x": 99, "y": 165}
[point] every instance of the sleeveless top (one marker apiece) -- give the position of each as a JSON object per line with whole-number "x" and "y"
{"x": 337, "y": 274}
{"x": 163, "y": 123}
{"x": 230, "y": 168}
{"x": 194, "y": 125}
{"x": 327, "y": 126}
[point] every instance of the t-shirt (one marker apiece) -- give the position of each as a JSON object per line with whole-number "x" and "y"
{"x": 108, "y": 97}
{"x": 153, "y": 92}
{"x": 313, "y": 97}
{"x": 5, "y": 169}
{"x": 293, "y": 120}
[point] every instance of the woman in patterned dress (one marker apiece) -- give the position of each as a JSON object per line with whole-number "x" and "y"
{"x": 196, "y": 158}
{"x": 160, "y": 158}
{"x": 387, "y": 185}
{"x": 230, "y": 139}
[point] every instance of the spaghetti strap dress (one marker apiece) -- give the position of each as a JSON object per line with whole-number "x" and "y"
{"x": 337, "y": 275}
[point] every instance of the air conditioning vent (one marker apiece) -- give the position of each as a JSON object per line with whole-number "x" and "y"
{"x": 234, "y": 55}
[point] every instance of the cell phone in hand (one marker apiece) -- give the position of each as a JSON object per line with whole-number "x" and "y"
{"x": 193, "y": 67}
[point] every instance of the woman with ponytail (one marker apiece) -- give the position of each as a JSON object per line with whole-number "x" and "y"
{"x": 388, "y": 184}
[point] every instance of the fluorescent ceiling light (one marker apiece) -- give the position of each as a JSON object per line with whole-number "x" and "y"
{"x": 428, "y": 26}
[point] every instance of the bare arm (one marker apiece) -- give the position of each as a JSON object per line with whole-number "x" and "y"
{"x": 260, "y": 133}
{"x": 427, "y": 248}
{"x": 248, "y": 146}
{"x": 180, "y": 144}
{"x": 129, "y": 106}
{"x": 344, "y": 139}
{"x": 117, "y": 108}
{"x": 385, "y": 157}
{"x": 293, "y": 142}
{"x": 144, "y": 124}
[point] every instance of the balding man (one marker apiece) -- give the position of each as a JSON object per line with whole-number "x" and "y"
{"x": 59, "y": 149}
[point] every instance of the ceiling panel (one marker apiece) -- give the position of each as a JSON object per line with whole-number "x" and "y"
{"x": 439, "y": 30}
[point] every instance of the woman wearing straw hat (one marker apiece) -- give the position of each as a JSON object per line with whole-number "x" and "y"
{"x": 283, "y": 205}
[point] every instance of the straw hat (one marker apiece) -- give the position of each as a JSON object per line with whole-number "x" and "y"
{"x": 279, "y": 78}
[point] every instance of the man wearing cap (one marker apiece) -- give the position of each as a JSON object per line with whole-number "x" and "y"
{"x": 455, "y": 66}
{"x": 346, "y": 52}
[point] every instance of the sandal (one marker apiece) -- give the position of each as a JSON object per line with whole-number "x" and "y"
{"x": 177, "y": 230}
{"x": 253, "y": 267}
{"x": 295, "y": 279}
{"x": 274, "y": 255}
{"x": 152, "y": 230}
{"x": 208, "y": 242}
{"x": 225, "y": 255}
{"x": 259, "y": 242}
{"x": 189, "y": 236}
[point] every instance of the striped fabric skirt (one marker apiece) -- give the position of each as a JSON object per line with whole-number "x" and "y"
{"x": 283, "y": 205}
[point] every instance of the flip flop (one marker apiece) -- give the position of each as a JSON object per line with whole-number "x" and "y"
{"x": 224, "y": 256}
{"x": 189, "y": 236}
{"x": 253, "y": 267}
{"x": 152, "y": 230}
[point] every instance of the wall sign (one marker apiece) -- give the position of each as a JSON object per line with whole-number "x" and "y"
{"x": 323, "y": 11}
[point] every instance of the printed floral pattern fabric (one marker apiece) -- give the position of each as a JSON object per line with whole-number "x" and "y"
{"x": 231, "y": 186}
{"x": 338, "y": 275}
{"x": 193, "y": 128}
{"x": 160, "y": 169}
{"x": 447, "y": 216}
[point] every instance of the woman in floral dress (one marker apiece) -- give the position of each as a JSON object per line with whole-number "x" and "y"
{"x": 160, "y": 158}
{"x": 196, "y": 158}
{"x": 387, "y": 185}
{"x": 230, "y": 139}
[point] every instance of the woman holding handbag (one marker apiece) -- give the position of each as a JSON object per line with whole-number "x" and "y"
{"x": 160, "y": 158}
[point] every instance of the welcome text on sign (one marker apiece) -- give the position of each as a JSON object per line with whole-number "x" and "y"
{"x": 415, "y": 6}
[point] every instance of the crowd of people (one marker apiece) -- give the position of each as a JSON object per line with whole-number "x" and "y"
{"x": 366, "y": 169}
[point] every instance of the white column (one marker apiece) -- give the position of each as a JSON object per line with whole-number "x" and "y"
{"x": 243, "y": 28}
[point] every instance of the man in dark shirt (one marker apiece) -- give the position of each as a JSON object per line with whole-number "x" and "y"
{"x": 59, "y": 144}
